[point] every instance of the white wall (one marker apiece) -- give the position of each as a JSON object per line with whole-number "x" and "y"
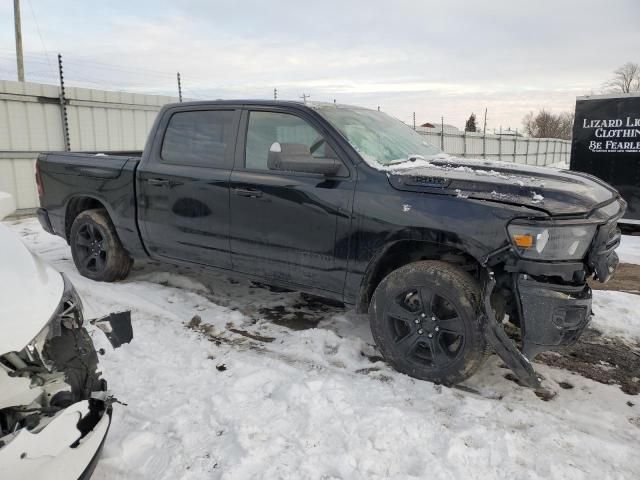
{"x": 507, "y": 148}
{"x": 31, "y": 122}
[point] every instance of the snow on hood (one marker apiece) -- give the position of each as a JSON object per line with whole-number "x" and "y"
{"x": 559, "y": 192}
{"x": 30, "y": 291}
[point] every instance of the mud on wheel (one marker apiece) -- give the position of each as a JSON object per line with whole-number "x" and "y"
{"x": 424, "y": 319}
{"x": 96, "y": 248}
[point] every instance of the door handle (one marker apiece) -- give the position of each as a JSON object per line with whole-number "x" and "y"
{"x": 158, "y": 182}
{"x": 247, "y": 192}
{"x": 163, "y": 182}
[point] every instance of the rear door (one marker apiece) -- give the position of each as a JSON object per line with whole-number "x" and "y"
{"x": 183, "y": 185}
{"x": 285, "y": 226}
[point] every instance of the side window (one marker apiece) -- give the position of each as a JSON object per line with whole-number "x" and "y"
{"x": 265, "y": 128}
{"x": 198, "y": 137}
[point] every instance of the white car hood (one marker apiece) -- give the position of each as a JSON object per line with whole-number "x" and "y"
{"x": 7, "y": 205}
{"x": 30, "y": 292}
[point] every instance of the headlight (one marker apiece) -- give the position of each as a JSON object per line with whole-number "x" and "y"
{"x": 564, "y": 242}
{"x": 68, "y": 314}
{"x": 70, "y": 310}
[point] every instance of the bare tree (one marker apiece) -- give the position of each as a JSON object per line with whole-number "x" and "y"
{"x": 548, "y": 125}
{"x": 626, "y": 79}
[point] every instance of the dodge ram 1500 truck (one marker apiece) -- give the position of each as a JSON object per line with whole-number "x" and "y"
{"x": 351, "y": 204}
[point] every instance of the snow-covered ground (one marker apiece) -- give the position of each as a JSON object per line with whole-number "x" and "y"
{"x": 617, "y": 314}
{"x": 629, "y": 249}
{"x": 210, "y": 402}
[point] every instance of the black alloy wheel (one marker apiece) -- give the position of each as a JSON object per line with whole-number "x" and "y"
{"x": 96, "y": 248}
{"x": 427, "y": 328}
{"x": 425, "y": 319}
{"x": 91, "y": 248}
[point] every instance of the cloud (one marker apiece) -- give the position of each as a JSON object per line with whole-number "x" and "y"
{"x": 435, "y": 58}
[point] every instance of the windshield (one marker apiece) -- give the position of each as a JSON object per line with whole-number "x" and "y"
{"x": 376, "y": 136}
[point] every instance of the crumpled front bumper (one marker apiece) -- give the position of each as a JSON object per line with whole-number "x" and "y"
{"x": 59, "y": 450}
{"x": 55, "y": 409}
{"x": 553, "y": 315}
{"x": 552, "y": 298}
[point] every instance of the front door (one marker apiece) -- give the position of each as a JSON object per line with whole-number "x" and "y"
{"x": 286, "y": 226}
{"x": 183, "y": 186}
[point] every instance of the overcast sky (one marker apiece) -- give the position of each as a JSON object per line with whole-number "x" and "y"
{"x": 437, "y": 58}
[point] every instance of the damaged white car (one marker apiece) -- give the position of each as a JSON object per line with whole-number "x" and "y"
{"x": 55, "y": 410}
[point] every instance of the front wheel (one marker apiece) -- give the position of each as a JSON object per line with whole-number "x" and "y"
{"x": 424, "y": 319}
{"x": 96, "y": 248}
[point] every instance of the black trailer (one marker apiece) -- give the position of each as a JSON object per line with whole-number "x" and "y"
{"x": 606, "y": 143}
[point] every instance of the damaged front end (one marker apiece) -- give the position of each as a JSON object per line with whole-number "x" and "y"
{"x": 54, "y": 407}
{"x": 547, "y": 297}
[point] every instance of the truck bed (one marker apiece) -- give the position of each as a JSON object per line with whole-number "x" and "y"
{"x": 92, "y": 164}
{"x": 80, "y": 180}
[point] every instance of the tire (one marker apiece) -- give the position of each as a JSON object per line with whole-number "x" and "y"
{"x": 96, "y": 248}
{"x": 425, "y": 320}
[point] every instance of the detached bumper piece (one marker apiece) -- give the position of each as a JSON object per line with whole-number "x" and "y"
{"x": 553, "y": 315}
{"x": 503, "y": 345}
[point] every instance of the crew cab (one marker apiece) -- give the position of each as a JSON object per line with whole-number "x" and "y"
{"x": 350, "y": 204}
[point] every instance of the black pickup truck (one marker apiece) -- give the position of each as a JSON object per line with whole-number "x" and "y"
{"x": 350, "y": 204}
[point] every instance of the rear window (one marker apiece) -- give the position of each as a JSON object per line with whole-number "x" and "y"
{"x": 198, "y": 137}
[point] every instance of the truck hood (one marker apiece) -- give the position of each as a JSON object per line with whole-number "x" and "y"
{"x": 30, "y": 292}
{"x": 555, "y": 191}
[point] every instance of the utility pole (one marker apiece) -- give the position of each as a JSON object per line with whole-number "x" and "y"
{"x": 275, "y": 93}
{"x": 414, "y": 120}
{"x": 484, "y": 135}
{"x": 18, "y": 28}
{"x": 179, "y": 87}
{"x": 305, "y": 96}
{"x": 484, "y": 129}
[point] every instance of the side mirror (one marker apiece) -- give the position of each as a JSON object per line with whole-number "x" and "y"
{"x": 296, "y": 157}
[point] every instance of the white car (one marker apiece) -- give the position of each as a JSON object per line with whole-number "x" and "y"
{"x": 55, "y": 410}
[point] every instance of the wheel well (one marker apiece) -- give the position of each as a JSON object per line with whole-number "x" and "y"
{"x": 75, "y": 207}
{"x": 409, "y": 251}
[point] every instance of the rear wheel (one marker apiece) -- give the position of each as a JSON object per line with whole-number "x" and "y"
{"x": 96, "y": 248}
{"x": 424, "y": 319}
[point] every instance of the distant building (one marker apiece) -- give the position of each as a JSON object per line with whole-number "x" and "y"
{"x": 437, "y": 127}
{"x": 508, "y": 132}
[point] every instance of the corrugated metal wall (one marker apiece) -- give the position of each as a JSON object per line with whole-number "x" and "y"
{"x": 31, "y": 122}
{"x": 507, "y": 148}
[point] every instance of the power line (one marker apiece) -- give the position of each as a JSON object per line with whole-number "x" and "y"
{"x": 86, "y": 73}
{"x": 44, "y": 47}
